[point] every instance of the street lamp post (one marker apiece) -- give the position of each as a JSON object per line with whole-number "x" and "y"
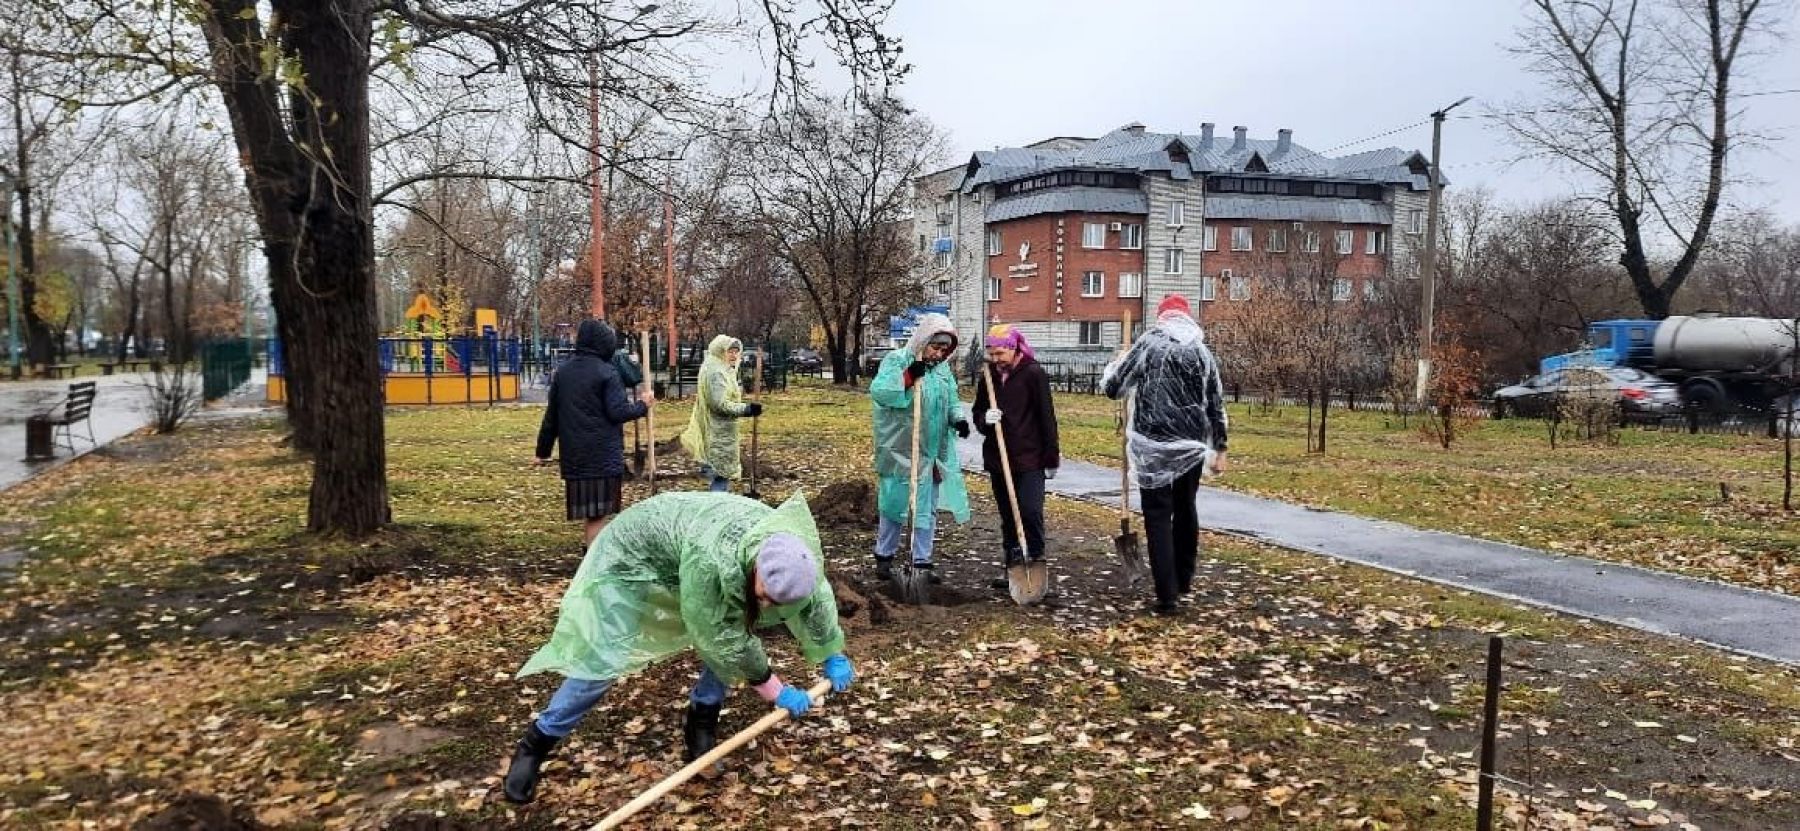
{"x": 12, "y": 281}
{"x": 1428, "y": 277}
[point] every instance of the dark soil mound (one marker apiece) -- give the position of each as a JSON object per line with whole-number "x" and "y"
{"x": 845, "y": 503}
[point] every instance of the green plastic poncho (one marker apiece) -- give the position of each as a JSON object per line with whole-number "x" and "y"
{"x": 893, "y": 428}
{"x": 672, "y": 572}
{"x": 712, "y": 432}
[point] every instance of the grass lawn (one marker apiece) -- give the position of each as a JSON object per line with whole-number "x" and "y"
{"x": 174, "y": 652}
{"x": 1652, "y": 499}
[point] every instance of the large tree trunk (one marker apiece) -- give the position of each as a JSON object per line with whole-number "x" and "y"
{"x": 335, "y": 325}
{"x": 318, "y": 237}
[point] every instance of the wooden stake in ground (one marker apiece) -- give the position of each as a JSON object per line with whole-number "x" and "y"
{"x": 755, "y": 398}
{"x": 694, "y": 768}
{"x": 650, "y": 411}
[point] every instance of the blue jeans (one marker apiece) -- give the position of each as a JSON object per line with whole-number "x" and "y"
{"x": 577, "y": 696}
{"x": 887, "y": 535}
{"x": 719, "y": 484}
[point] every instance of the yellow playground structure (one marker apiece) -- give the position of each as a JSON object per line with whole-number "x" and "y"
{"x": 430, "y": 362}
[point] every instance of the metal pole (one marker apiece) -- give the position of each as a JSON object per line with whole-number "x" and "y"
{"x": 597, "y": 206}
{"x": 532, "y": 225}
{"x": 668, "y": 267}
{"x": 1490, "y": 722}
{"x": 1428, "y": 275}
{"x": 12, "y": 288}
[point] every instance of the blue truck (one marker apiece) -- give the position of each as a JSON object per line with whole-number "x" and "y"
{"x": 1718, "y": 362}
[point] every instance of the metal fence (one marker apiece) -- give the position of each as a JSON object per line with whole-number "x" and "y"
{"x": 224, "y": 366}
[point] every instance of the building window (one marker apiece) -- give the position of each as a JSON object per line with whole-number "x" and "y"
{"x": 1377, "y": 242}
{"x": 1240, "y": 238}
{"x": 943, "y": 288}
{"x": 1415, "y": 221}
{"x": 1177, "y": 214}
{"x": 941, "y": 259}
{"x": 1346, "y": 242}
{"x": 1208, "y": 291}
{"x": 1340, "y": 289}
{"x": 993, "y": 288}
{"x": 1239, "y": 286}
{"x": 921, "y": 242}
{"x": 1368, "y": 289}
{"x": 1277, "y": 239}
{"x": 1131, "y": 237}
{"x": 1093, "y": 284}
{"x": 1093, "y": 235}
{"x": 1131, "y": 284}
{"x": 993, "y": 243}
{"x": 1090, "y": 333}
{"x": 1172, "y": 261}
{"x": 1209, "y": 238}
{"x": 1309, "y": 242}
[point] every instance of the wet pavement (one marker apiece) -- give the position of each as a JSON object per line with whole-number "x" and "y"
{"x": 1747, "y": 621}
{"x": 119, "y": 410}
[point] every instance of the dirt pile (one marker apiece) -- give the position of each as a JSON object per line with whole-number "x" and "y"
{"x": 845, "y": 503}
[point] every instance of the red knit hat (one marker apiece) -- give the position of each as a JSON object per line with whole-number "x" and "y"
{"x": 1174, "y": 303}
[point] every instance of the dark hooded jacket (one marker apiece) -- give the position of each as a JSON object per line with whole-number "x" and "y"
{"x": 1028, "y": 415}
{"x": 589, "y": 407}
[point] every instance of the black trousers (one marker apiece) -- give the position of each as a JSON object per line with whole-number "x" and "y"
{"x": 1031, "y": 508}
{"x": 1173, "y": 531}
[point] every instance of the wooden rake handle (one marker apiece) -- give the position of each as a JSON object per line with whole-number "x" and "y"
{"x": 694, "y": 768}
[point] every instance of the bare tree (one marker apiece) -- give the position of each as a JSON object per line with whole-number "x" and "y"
{"x": 1641, "y": 99}
{"x": 296, "y": 78}
{"x": 1544, "y": 278}
{"x": 828, "y": 185}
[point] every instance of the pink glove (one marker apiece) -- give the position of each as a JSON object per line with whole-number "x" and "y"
{"x": 770, "y": 689}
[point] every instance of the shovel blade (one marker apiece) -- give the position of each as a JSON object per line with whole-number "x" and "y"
{"x": 1028, "y": 582}
{"x": 914, "y": 585}
{"x": 1130, "y": 556}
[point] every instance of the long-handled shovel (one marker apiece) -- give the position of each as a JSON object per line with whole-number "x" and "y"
{"x": 649, "y": 416}
{"x": 698, "y": 766}
{"x": 755, "y": 397}
{"x": 1125, "y": 545}
{"x": 1027, "y": 580}
{"x": 915, "y": 584}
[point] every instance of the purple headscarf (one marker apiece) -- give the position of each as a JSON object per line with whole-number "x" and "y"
{"x": 1008, "y": 336}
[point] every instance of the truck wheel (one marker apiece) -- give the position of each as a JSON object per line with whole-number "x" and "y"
{"x": 1499, "y": 411}
{"x": 1705, "y": 395}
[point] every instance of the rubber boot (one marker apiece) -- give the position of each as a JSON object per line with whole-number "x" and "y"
{"x": 522, "y": 774}
{"x": 884, "y": 568}
{"x": 701, "y": 730}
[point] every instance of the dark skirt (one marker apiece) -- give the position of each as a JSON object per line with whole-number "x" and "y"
{"x": 593, "y": 498}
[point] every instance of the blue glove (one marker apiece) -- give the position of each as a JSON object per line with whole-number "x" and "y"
{"x": 837, "y": 668}
{"x": 794, "y": 700}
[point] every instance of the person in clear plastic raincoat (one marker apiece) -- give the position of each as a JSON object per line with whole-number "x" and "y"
{"x": 921, "y": 368}
{"x": 679, "y": 571}
{"x": 712, "y": 433}
{"x": 1176, "y": 433}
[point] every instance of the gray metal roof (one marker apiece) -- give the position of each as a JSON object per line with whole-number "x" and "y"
{"x": 1064, "y": 200}
{"x": 1298, "y": 209}
{"x": 1135, "y": 150}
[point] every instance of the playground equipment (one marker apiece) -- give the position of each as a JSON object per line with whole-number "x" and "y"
{"x": 431, "y": 362}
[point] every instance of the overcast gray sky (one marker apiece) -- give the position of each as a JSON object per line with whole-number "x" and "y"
{"x": 1007, "y": 72}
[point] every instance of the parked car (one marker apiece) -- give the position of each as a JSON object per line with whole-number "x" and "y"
{"x": 1639, "y": 394}
{"x": 806, "y": 360}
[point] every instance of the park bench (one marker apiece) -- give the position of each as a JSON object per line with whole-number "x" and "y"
{"x": 130, "y": 365}
{"x": 72, "y": 410}
{"x": 56, "y": 370}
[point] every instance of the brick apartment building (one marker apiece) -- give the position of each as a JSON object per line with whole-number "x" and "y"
{"x": 1063, "y": 236}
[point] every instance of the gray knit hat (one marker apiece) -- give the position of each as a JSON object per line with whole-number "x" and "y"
{"x": 787, "y": 569}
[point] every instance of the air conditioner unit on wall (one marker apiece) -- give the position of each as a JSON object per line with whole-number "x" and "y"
{"x": 1116, "y": 226}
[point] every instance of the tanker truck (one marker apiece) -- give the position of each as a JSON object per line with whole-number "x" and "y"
{"x": 1718, "y": 362}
